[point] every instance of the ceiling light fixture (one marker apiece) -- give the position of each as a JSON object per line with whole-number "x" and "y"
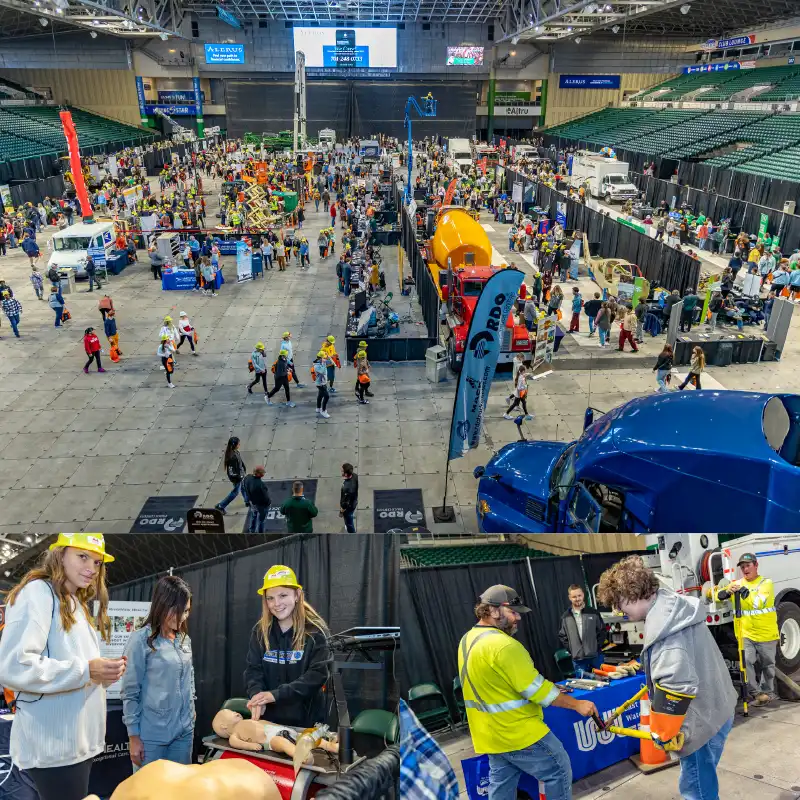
{"x": 569, "y": 30}
{"x": 685, "y": 9}
{"x": 163, "y": 37}
{"x": 514, "y": 39}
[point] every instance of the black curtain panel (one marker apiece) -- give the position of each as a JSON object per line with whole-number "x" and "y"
{"x": 350, "y": 580}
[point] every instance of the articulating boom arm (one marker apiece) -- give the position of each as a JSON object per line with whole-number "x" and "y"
{"x": 427, "y": 109}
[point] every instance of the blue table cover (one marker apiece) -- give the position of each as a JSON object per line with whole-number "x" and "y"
{"x": 588, "y": 750}
{"x": 183, "y": 279}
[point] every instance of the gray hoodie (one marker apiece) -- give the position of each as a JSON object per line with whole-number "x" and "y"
{"x": 680, "y": 654}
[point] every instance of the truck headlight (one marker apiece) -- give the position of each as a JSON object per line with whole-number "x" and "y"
{"x": 483, "y": 508}
{"x": 521, "y": 342}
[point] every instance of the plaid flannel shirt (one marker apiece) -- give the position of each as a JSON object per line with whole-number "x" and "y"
{"x": 12, "y": 307}
{"x": 425, "y": 772}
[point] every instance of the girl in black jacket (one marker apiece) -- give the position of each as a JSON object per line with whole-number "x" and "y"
{"x": 663, "y": 368}
{"x": 235, "y": 470}
{"x": 288, "y": 658}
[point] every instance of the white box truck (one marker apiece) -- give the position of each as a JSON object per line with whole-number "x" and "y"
{"x": 459, "y": 154}
{"x": 606, "y": 178}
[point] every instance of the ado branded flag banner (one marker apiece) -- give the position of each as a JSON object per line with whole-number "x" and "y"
{"x": 480, "y": 359}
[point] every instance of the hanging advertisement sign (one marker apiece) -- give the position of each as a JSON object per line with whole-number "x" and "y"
{"x": 125, "y": 618}
{"x": 763, "y": 224}
{"x": 726, "y": 67}
{"x": 561, "y": 213}
{"x": 588, "y": 81}
{"x": 737, "y": 41}
{"x": 140, "y": 97}
{"x": 481, "y": 354}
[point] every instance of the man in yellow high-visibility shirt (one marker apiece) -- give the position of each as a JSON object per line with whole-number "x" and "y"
{"x": 759, "y": 629}
{"x": 504, "y": 696}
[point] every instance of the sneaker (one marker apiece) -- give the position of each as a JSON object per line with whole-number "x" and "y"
{"x": 325, "y": 414}
{"x": 268, "y": 401}
{"x": 220, "y": 509}
{"x": 101, "y": 370}
{"x": 761, "y": 699}
{"x": 249, "y": 390}
{"x": 194, "y": 353}
{"x": 507, "y": 416}
{"x": 319, "y": 411}
{"x": 369, "y": 393}
{"x": 291, "y": 404}
{"x": 86, "y": 370}
{"x": 300, "y": 385}
{"x": 171, "y": 385}
{"x": 332, "y": 390}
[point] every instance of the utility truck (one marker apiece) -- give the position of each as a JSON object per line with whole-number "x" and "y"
{"x": 605, "y": 177}
{"x": 459, "y": 154}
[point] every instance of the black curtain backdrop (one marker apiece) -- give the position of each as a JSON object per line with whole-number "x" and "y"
{"x": 34, "y": 191}
{"x": 350, "y": 580}
{"x": 438, "y": 605}
{"x": 261, "y": 106}
{"x": 660, "y": 264}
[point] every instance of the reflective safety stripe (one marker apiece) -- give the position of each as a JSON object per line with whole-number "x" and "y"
{"x": 479, "y": 705}
{"x": 536, "y": 684}
{"x": 494, "y": 708}
{"x": 756, "y": 611}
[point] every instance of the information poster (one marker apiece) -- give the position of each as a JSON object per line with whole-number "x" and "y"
{"x": 5, "y": 197}
{"x": 545, "y": 341}
{"x": 125, "y": 619}
{"x": 244, "y": 261}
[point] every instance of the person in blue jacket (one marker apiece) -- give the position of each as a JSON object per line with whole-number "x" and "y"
{"x": 158, "y": 690}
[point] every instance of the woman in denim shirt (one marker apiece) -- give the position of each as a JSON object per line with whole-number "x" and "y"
{"x": 158, "y": 690}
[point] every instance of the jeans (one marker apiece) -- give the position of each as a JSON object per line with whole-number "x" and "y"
{"x": 231, "y": 495}
{"x": 322, "y": 398}
{"x": 59, "y": 311}
{"x": 698, "y": 779}
{"x": 701, "y": 243}
{"x": 713, "y": 322}
{"x": 546, "y": 760}
{"x": 661, "y": 377}
{"x": 603, "y": 334}
{"x": 591, "y": 325}
{"x": 349, "y": 518}
{"x": 692, "y": 377}
{"x": 258, "y": 517}
{"x": 687, "y": 317}
{"x": 92, "y": 281}
{"x": 762, "y": 653}
{"x": 178, "y": 750}
{"x": 14, "y": 320}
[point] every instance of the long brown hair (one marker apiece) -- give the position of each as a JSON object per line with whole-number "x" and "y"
{"x": 52, "y": 570}
{"x": 303, "y": 616}
{"x": 171, "y": 594}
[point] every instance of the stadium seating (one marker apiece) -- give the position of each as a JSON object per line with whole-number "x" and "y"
{"x": 712, "y": 130}
{"x": 28, "y": 131}
{"x": 763, "y": 138}
{"x": 592, "y": 125}
{"x": 655, "y": 122}
{"x": 784, "y": 164}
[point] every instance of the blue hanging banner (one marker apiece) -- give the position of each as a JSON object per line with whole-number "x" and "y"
{"x": 588, "y": 81}
{"x": 140, "y": 97}
{"x": 481, "y": 352}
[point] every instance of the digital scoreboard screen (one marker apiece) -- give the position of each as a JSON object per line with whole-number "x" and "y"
{"x": 347, "y": 48}
{"x": 464, "y": 56}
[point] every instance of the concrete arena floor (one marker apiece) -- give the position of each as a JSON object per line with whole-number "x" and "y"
{"x": 770, "y": 771}
{"x": 84, "y": 452}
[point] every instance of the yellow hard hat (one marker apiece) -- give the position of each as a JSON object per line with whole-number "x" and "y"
{"x": 283, "y": 353}
{"x": 286, "y": 333}
{"x": 362, "y": 344}
{"x": 361, "y": 354}
{"x": 259, "y": 345}
{"x": 165, "y": 338}
{"x": 279, "y": 575}
{"x": 167, "y": 319}
{"x": 93, "y": 542}
{"x": 331, "y": 339}
{"x": 321, "y": 354}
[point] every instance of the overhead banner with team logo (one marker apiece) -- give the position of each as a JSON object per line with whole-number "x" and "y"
{"x": 481, "y": 354}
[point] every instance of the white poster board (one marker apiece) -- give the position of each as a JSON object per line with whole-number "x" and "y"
{"x": 125, "y": 619}
{"x": 244, "y": 261}
{"x": 516, "y": 193}
{"x": 545, "y": 341}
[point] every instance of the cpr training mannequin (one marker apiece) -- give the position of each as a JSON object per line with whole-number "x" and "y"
{"x": 229, "y": 779}
{"x": 247, "y": 734}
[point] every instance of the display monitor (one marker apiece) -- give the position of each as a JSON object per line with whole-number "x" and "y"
{"x": 347, "y": 48}
{"x": 465, "y": 56}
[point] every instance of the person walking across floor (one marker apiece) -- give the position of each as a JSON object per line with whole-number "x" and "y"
{"x": 12, "y": 308}
{"x": 329, "y": 347}
{"x": 520, "y": 392}
{"x": 759, "y": 631}
{"x": 257, "y": 494}
{"x": 299, "y": 511}
{"x": 235, "y": 470}
{"x": 286, "y": 344}
{"x": 582, "y": 632}
{"x": 715, "y": 305}
{"x": 259, "y": 362}
{"x": 348, "y": 497}
{"x": 591, "y": 308}
{"x": 697, "y": 366}
{"x": 50, "y": 656}
{"x": 91, "y": 344}
{"x": 626, "y": 330}
{"x": 691, "y": 693}
{"x": 91, "y": 274}
{"x": 37, "y": 283}
{"x": 166, "y": 352}
{"x": 158, "y": 688}
{"x": 110, "y": 330}
{"x": 577, "y": 304}
{"x": 56, "y": 302}
{"x": 603, "y": 321}
{"x": 640, "y": 311}
{"x": 690, "y": 300}
{"x": 187, "y": 332}
{"x": 663, "y": 368}
{"x": 363, "y": 377}
{"x": 282, "y": 373}
{"x": 505, "y": 696}
{"x": 319, "y": 370}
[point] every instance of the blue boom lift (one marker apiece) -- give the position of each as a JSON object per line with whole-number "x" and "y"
{"x": 426, "y": 109}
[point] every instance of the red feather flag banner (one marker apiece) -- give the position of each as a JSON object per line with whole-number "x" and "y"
{"x": 75, "y": 165}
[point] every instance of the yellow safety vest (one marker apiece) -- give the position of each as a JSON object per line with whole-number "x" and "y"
{"x": 759, "y": 617}
{"x": 503, "y": 692}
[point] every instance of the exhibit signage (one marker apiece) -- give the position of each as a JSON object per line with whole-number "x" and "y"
{"x": 726, "y": 67}
{"x": 224, "y": 53}
{"x": 171, "y": 111}
{"x": 517, "y": 111}
{"x": 5, "y": 198}
{"x": 164, "y": 514}
{"x": 516, "y": 193}
{"x": 206, "y": 520}
{"x": 98, "y": 255}
{"x": 397, "y": 510}
{"x": 737, "y": 41}
{"x": 226, "y": 16}
{"x": 481, "y": 353}
{"x": 545, "y": 341}
{"x": 125, "y": 618}
{"x": 762, "y": 227}
{"x": 561, "y": 213}
{"x": 179, "y": 96}
{"x": 141, "y": 99}
{"x": 589, "y": 82}
{"x": 244, "y": 261}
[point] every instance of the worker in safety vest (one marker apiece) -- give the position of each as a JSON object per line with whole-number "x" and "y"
{"x": 504, "y": 697}
{"x": 759, "y": 629}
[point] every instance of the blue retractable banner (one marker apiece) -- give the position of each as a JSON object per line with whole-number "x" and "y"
{"x": 481, "y": 352}
{"x": 588, "y": 81}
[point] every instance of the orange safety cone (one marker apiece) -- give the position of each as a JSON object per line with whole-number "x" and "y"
{"x": 650, "y": 757}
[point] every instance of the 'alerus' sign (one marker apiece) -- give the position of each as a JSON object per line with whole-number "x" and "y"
{"x": 588, "y": 82}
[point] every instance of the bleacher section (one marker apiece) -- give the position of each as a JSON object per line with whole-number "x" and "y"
{"x": 655, "y": 122}
{"x": 28, "y": 131}
{"x": 465, "y": 554}
{"x": 783, "y": 164}
{"x": 593, "y": 125}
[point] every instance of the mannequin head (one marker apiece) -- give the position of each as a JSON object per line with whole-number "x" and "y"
{"x": 225, "y": 721}
{"x": 169, "y": 609}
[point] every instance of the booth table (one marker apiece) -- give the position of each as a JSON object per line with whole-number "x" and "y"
{"x": 588, "y": 750}
{"x": 184, "y": 279}
{"x": 721, "y": 349}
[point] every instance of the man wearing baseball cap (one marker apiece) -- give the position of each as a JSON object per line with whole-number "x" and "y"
{"x": 504, "y": 696}
{"x": 760, "y": 633}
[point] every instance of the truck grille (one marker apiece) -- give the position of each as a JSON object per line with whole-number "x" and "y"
{"x": 506, "y": 343}
{"x": 534, "y": 509}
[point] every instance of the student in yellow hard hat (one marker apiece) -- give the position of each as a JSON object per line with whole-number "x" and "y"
{"x": 288, "y": 657}
{"x": 329, "y": 348}
{"x": 50, "y": 655}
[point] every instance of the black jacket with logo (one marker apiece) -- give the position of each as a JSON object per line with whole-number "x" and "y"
{"x": 295, "y": 677}
{"x": 594, "y": 634}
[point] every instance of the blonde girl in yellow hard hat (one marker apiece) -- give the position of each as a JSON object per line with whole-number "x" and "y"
{"x": 288, "y": 657}
{"x": 50, "y": 656}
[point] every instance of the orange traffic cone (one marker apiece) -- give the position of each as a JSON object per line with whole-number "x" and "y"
{"x": 650, "y": 758}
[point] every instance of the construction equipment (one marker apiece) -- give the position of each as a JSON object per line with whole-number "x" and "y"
{"x": 428, "y": 109}
{"x": 299, "y": 136}
{"x": 724, "y": 594}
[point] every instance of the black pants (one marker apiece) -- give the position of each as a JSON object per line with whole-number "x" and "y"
{"x": 62, "y": 783}
{"x": 686, "y": 319}
{"x": 518, "y": 401}
{"x": 94, "y": 356}
{"x": 692, "y": 377}
{"x": 323, "y": 395}
{"x": 282, "y": 381}
{"x": 156, "y": 271}
{"x": 362, "y": 389}
{"x": 167, "y": 370}
{"x": 189, "y": 338}
{"x": 294, "y": 372}
{"x": 260, "y": 376}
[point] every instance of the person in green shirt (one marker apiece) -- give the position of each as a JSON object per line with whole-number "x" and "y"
{"x": 299, "y": 511}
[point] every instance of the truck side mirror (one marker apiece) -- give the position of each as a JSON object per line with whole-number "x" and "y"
{"x": 588, "y": 418}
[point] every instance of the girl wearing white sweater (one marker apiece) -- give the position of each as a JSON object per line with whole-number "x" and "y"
{"x": 50, "y": 656}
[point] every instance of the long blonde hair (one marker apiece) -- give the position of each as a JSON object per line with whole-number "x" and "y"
{"x": 304, "y": 615}
{"x": 52, "y": 570}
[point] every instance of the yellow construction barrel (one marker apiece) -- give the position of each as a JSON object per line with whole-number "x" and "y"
{"x": 457, "y": 234}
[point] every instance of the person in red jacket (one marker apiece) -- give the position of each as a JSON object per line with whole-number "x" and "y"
{"x": 92, "y": 346}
